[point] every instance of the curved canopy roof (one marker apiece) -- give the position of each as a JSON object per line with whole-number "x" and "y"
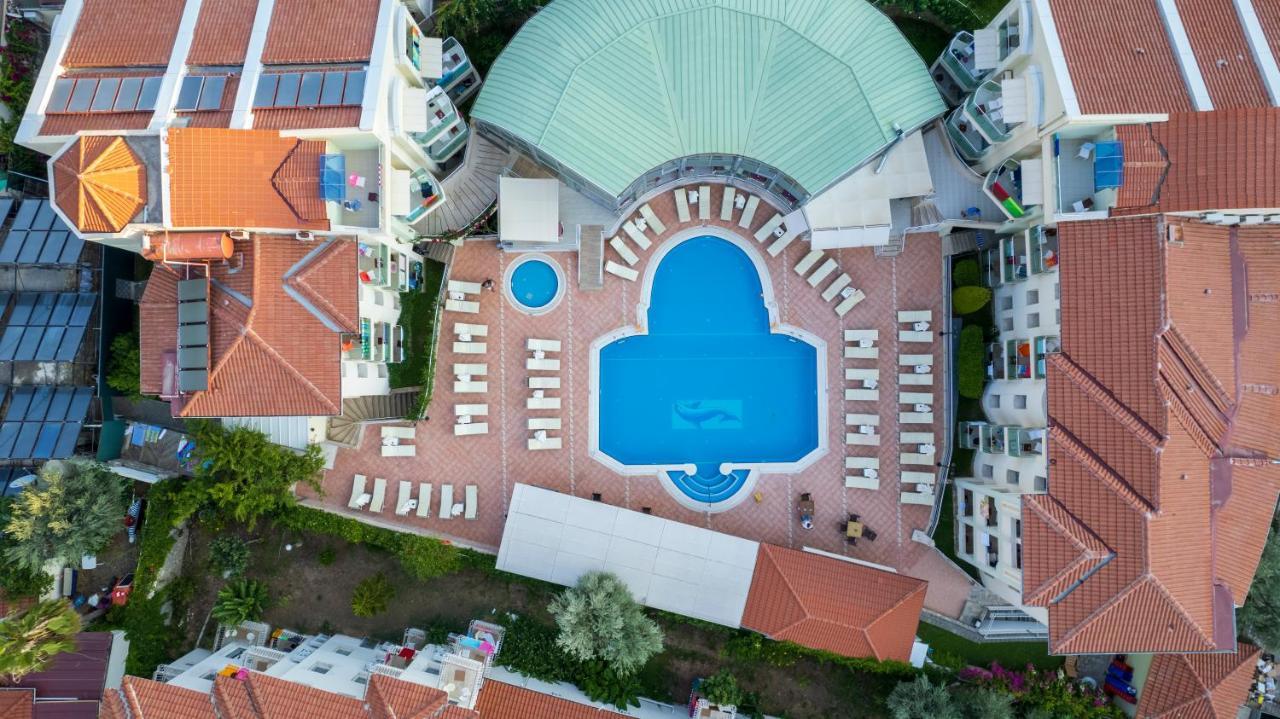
{"x": 99, "y": 183}
{"x": 613, "y": 89}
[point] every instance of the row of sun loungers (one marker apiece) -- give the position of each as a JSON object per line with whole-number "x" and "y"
{"x": 816, "y": 267}
{"x": 406, "y": 503}
{"x": 393, "y": 441}
{"x": 635, "y": 229}
{"x": 459, "y": 294}
{"x": 862, "y": 429}
{"x": 469, "y": 378}
{"x": 918, "y": 322}
{"x": 541, "y": 427}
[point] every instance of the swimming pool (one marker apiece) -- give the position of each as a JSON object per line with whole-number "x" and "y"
{"x": 534, "y": 284}
{"x": 708, "y": 387}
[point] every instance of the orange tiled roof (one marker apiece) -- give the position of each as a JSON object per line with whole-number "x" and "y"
{"x": 303, "y": 32}
{"x": 499, "y": 700}
{"x": 270, "y": 324}
{"x": 74, "y": 122}
{"x": 1223, "y": 54}
{"x": 1198, "y": 686}
{"x": 17, "y": 703}
{"x": 99, "y": 183}
{"x": 1159, "y": 415}
{"x": 124, "y": 33}
{"x": 239, "y": 179}
{"x": 222, "y": 32}
{"x": 145, "y": 699}
{"x": 835, "y": 606}
{"x": 296, "y": 118}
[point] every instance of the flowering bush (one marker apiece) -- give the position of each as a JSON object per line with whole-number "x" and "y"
{"x": 1050, "y": 691}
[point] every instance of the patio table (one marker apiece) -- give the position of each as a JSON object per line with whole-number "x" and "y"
{"x": 853, "y": 529}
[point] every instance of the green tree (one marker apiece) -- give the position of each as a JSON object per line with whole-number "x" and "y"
{"x": 244, "y": 600}
{"x": 965, "y": 272}
{"x": 73, "y": 509}
{"x": 921, "y": 699}
{"x": 244, "y": 476}
{"x": 722, "y": 688}
{"x": 229, "y": 555}
{"x": 372, "y": 595}
{"x": 971, "y": 373}
{"x": 598, "y": 619}
{"x": 124, "y": 370}
{"x": 31, "y": 638}
{"x": 16, "y": 580}
{"x": 1259, "y": 618}
{"x": 969, "y": 299}
{"x": 983, "y": 704}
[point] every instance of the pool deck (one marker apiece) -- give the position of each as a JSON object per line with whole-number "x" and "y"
{"x": 496, "y": 461}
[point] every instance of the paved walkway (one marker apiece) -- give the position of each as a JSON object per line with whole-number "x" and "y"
{"x": 496, "y": 461}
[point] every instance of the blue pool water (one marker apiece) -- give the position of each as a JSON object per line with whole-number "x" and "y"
{"x": 709, "y": 383}
{"x": 534, "y": 284}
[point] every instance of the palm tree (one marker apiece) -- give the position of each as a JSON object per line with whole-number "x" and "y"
{"x": 241, "y": 601}
{"x": 31, "y": 638}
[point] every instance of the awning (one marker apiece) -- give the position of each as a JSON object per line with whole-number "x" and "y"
{"x": 1032, "y": 182}
{"x": 986, "y": 43}
{"x": 836, "y": 237}
{"x": 398, "y": 200}
{"x": 528, "y": 210}
{"x": 414, "y": 112}
{"x": 1013, "y": 90}
{"x": 432, "y": 58}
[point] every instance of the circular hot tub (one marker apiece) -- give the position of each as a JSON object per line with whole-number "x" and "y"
{"x": 534, "y": 284}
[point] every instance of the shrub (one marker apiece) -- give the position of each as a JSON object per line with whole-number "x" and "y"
{"x": 425, "y": 557}
{"x": 229, "y": 555}
{"x": 599, "y": 619}
{"x": 73, "y": 510}
{"x": 124, "y": 369}
{"x": 244, "y": 600}
{"x": 721, "y": 688}
{"x": 1259, "y": 618}
{"x": 969, "y": 299}
{"x": 372, "y": 595}
{"x": 530, "y": 648}
{"x": 327, "y": 556}
{"x": 971, "y": 374}
{"x": 965, "y": 272}
{"x": 983, "y": 704}
{"x": 422, "y": 557}
{"x": 17, "y": 581}
{"x": 921, "y": 699}
{"x": 31, "y": 638}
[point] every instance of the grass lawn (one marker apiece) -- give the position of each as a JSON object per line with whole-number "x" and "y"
{"x": 1014, "y": 655}
{"x": 928, "y": 39}
{"x": 418, "y": 311}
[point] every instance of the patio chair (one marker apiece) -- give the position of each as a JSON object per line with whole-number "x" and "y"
{"x": 822, "y": 272}
{"x": 869, "y": 534}
{"x": 682, "y": 204}
{"x": 464, "y": 328}
{"x": 808, "y": 261}
{"x": 470, "y": 429}
{"x": 471, "y": 308}
{"x": 749, "y": 212}
{"x": 704, "y": 202}
{"x": 446, "y": 500}
{"x": 466, "y": 288}
{"x": 357, "y": 492}
{"x": 424, "y": 499}
{"x": 726, "y": 204}
{"x": 636, "y": 235}
{"x": 542, "y": 365}
{"x": 850, "y": 300}
{"x": 622, "y": 271}
{"x": 397, "y": 431}
{"x": 379, "y": 495}
{"x": 652, "y": 218}
{"x": 537, "y": 345}
{"x": 405, "y": 502}
{"x": 544, "y": 383}
{"x": 470, "y": 348}
{"x": 470, "y": 511}
{"x": 623, "y": 251}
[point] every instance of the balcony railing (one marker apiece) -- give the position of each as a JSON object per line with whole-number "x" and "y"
{"x": 995, "y": 362}
{"x": 971, "y": 435}
{"x": 447, "y": 146}
{"x": 1013, "y": 258}
{"x": 1025, "y": 442}
{"x": 1043, "y": 347}
{"x": 992, "y": 439}
{"x": 990, "y": 261}
{"x": 964, "y": 136}
{"x": 1010, "y": 36}
{"x": 1018, "y": 358}
{"x": 1044, "y": 249}
{"x": 958, "y": 59}
{"x": 426, "y": 193}
{"x": 1004, "y": 185}
{"x": 985, "y": 107}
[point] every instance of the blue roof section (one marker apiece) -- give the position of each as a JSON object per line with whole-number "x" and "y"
{"x": 43, "y": 422}
{"x": 39, "y": 237}
{"x": 45, "y": 326}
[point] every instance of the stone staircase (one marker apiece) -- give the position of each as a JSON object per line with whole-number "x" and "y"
{"x": 469, "y": 191}
{"x": 894, "y": 248}
{"x": 345, "y": 429}
{"x": 590, "y": 257}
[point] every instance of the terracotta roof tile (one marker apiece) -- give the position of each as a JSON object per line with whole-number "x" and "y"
{"x": 124, "y": 33}
{"x": 72, "y": 123}
{"x": 112, "y": 705}
{"x": 1269, "y": 18}
{"x": 394, "y": 699}
{"x": 148, "y": 699}
{"x": 499, "y": 700}
{"x": 1221, "y": 160}
{"x": 1144, "y": 169}
{"x": 832, "y": 605}
{"x": 1119, "y": 57}
{"x": 297, "y": 180}
{"x": 303, "y": 32}
{"x": 325, "y": 282}
{"x": 1242, "y": 524}
{"x": 17, "y": 703}
{"x": 303, "y": 118}
{"x": 1198, "y": 686}
{"x": 1066, "y": 550}
{"x": 99, "y": 183}
{"x": 222, "y": 32}
{"x": 1223, "y": 54}
{"x": 223, "y": 179}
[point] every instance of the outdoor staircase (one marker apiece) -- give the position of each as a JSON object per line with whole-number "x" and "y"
{"x": 958, "y": 243}
{"x": 590, "y": 257}
{"x": 470, "y": 191}
{"x": 894, "y": 248}
{"x": 345, "y": 428}
{"x": 441, "y": 252}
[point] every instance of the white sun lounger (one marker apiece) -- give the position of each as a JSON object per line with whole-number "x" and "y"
{"x": 915, "y": 417}
{"x": 924, "y": 460}
{"x": 466, "y": 306}
{"x": 403, "y": 499}
{"x": 542, "y": 365}
{"x": 469, "y": 430}
{"x": 399, "y": 450}
{"x": 861, "y": 373}
{"x": 466, "y": 288}
{"x": 910, "y": 316}
{"x": 854, "y": 418}
{"x": 544, "y": 383}
{"x": 461, "y": 369}
{"x": 915, "y": 380}
{"x": 749, "y": 212}
{"x": 635, "y": 234}
{"x": 623, "y": 251}
{"x": 537, "y": 423}
{"x": 548, "y": 443}
{"x": 397, "y": 431}
{"x": 470, "y": 410}
{"x": 913, "y": 360}
{"x": 622, "y": 271}
{"x": 925, "y": 498}
{"x": 464, "y": 328}
{"x": 424, "y": 499}
{"x": 862, "y": 463}
{"x": 542, "y": 403}
{"x": 834, "y": 288}
{"x": 850, "y": 302}
{"x": 471, "y": 387}
{"x": 862, "y": 395}
{"x": 822, "y": 272}
{"x": 807, "y": 262}
{"x": 470, "y": 348}
{"x": 861, "y": 440}
{"x": 915, "y": 437}
{"x": 536, "y": 345}
{"x": 853, "y": 481}
{"x": 913, "y": 336}
{"x": 859, "y": 335}
{"x": 915, "y": 398}
{"x": 472, "y": 499}
{"x": 781, "y": 243}
{"x": 917, "y": 478}
{"x": 652, "y": 218}
{"x": 379, "y": 495}
{"x": 357, "y": 492}
{"x": 446, "y": 501}
{"x": 856, "y": 352}
{"x": 767, "y": 228}
{"x": 682, "y": 204}
{"x": 704, "y": 202}
{"x": 726, "y": 204}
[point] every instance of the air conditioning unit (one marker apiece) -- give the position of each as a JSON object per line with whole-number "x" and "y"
{"x": 304, "y": 236}
{"x": 239, "y": 234}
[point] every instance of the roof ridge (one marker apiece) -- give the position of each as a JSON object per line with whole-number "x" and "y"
{"x": 1186, "y": 352}
{"x": 261, "y": 343}
{"x": 297, "y": 143}
{"x": 866, "y": 631}
{"x": 1143, "y": 578}
{"x": 1094, "y": 463}
{"x": 1186, "y": 419}
{"x": 1100, "y": 394}
{"x": 786, "y": 581}
{"x": 1085, "y": 554}
{"x": 298, "y": 281}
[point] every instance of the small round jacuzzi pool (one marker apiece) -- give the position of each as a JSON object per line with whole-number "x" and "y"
{"x": 534, "y": 284}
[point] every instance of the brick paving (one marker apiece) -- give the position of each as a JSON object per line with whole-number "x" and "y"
{"x": 496, "y": 461}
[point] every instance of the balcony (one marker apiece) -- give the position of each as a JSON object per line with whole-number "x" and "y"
{"x": 1013, "y": 258}
{"x": 995, "y": 361}
{"x": 1089, "y": 171}
{"x": 992, "y": 438}
{"x": 1043, "y": 347}
{"x": 352, "y": 184}
{"x": 1044, "y": 249}
{"x": 971, "y": 435}
{"x": 374, "y": 264}
{"x": 989, "y": 259}
{"x": 448, "y": 143}
{"x": 1010, "y": 35}
{"x": 442, "y": 115}
{"x": 1018, "y": 358}
{"x": 964, "y": 136}
{"x": 1015, "y": 186}
{"x": 966, "y": 506}
{"x": 460, "y": 78}
{"x": 987, "y": 510}
{"x": 1025, "y": 442}
{"x": 985, "y": 108}
{"x": 955, "y": 70}
{"x": 416, "y": 193}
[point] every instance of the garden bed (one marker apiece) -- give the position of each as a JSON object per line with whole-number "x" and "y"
{"x": 419, "y": 312}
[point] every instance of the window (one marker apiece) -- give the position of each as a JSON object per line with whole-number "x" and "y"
{"x": 361, "y": 678}
{"x": 1006, "y": 302}
{"x": 235, "y": 653}
{"x": 321, "y": 668}
{"x": 1033, "y": 297}
{"x": 343, "y": 651}
{"x": 1042, "y": 484}
{"x": 1057, "y": 316}
{"x": 1017, "y": 528}
{"x": 1033, "y": 320}
{"x": 995, "y": 401}
{"x": 1019, "y": 401}
{"x": 1057, "y": 291}
{"x": 1011, "y": 476}
{"x": 209, "y": 677}
{"x": 1017, "y": 555}
{"x": 988, "y": 471}
{"x": 1006, "y": 324}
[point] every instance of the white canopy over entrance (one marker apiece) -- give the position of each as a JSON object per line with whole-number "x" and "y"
{"x": 528, "y": 210}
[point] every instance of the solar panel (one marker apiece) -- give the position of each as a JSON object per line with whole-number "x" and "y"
{"x": 353, "y": 94}
{"x": 6, "y": 204}
{"x": 70, "y": 344}
{"x": 9, "y": 342}
{"x": 42, "y": 308}
{"x": 26, "y": 442}
{"x": 49, "y": 343}
{"x": 71, "y": 249}
{"x": 193, "y": 358}
{"x": 287, "y": 91}
{"x": 53, "y": 247}
{"x": 63, "y": 304}
{"x": 39, "y": 408}
{"x": 104, "y": 99}
{"x": 13, "y": 243}
{"x": 265, "y": 94}
{"x": 189, "y": 290}
{"x": 45, "y": 216}
{"x": 80, "y": 403}
{"x": 309, "y": 91}
{"x": 127, "y": 96}
{"x": 150, "y": 91}
{"x": 26, "y": 213}
{"x": 84, "y": 308}
{"x": 8, "y": 436}
{"x": 61, "y": 93}
{"x": 193, "y": 380}
{"x": 67, "y": 440}
{"x": 22, "y": 308}
{"x": 189, "y": 312}
{"x": 82, "y": 95}
{"x": 211, "y": 95}
{"x": 192, "y": 335}
{"x": 333, "y": 84}
{"x": 189, "y": 94}
{"x": 31, "y": 248}
{"x": 59, "y": 403}
{"x": 46, "y": 326}
{"x": 46, "y": 441}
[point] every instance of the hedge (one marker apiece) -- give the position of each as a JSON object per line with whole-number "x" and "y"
{"x": 966, "y": 272}
{"x": 969, "y": 299}
{"x": 970, "y": 357}
{"x": 422, "y": 557}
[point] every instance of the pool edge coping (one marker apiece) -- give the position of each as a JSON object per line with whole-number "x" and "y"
{"x": 509, "y": 273}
